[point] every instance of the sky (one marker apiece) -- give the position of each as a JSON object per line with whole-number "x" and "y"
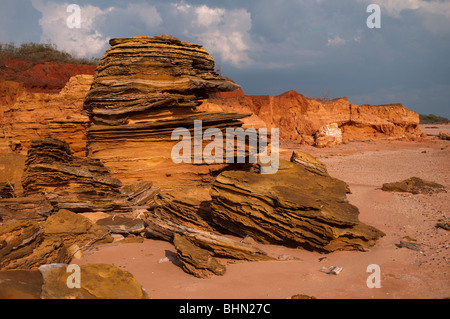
{"x": 315, "y": 47}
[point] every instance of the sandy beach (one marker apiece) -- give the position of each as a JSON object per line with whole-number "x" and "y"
{"x": 365, "y": 166}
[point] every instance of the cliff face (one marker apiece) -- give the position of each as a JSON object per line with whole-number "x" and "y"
{"x": 300, "y": 118}
{"x": 25, "y": 116}
{"x": 45, "y": 77}
{"x": 143, "y": 89}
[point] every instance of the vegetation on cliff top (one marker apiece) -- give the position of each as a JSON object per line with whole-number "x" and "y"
{"x": 39, "y": 53}
{"x": 432, "y": 119}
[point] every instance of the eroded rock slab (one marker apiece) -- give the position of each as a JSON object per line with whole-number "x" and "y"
{"x": 20, "y": 284}
{"x": 35, "y": 207}
{"x": 97, "y": 281}
{"x": 309, "y": 162}
{"x": 217, "y": 244}
{"x": 75, "y": 229}
{"x": 196, "y": 261}
{"x": 294, "y": 207}
{"x": 414, "y": 185}
{"x": 122, "y": 224}
{"x": 23, "y": 245}
{"x": 51, "y": 281}
{"x": 70, "y": 182}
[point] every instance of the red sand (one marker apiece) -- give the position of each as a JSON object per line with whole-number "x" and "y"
{"x": 365, "y": 166}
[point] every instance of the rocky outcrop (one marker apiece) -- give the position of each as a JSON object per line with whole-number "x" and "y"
{"x": 122, "y": 224}
{"x": 78, "y": 184}
{"x": 25, "y": 116}
{"x": 35, "y": 207}
{"x": 29, "y": 244}
{"x": 196, "y": 261}
{"x": 218, "y": 245}
{"x": 300, "y": 118}
{"x": 23, "y": 245}
{"x": 143, "y": 89}
{"x": 97, "y": 281}
{"x": 309, "y": 162}
{"x": 294, "y": 207}
{"x": 74, "y": 229}
{"x": 328, "y": 135}
{"x": 414, "y": 185}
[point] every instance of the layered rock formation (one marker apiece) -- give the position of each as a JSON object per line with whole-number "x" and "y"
{"x": 78, "y": 184}
{"x": 30, "y": 244}
{"x": 143, "y": 89}
{"x": 297, "y": 206}
{"x": 25, "y": 116}
{"x": 197, "y": 261}
{"x": 300, "y": 118}
{"x": 23, "y": 245}
{"x": 74, "y": 229}
{"x": 35, "y": 207}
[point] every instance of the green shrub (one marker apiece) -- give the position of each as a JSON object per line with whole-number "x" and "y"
{"x": 39, "y": 53}
{"x": 432, "y": 119}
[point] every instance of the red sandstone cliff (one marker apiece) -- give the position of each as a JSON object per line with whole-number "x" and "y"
{"x": 25, "y": 116}
{"x": 45, "y": 77}
{"x": 300, "y": 118}
{"x": 42, "y": 99}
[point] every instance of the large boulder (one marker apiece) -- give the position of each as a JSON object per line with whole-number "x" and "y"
{"x": 30, "y": 244}
{"x": 74, "y": 229}
{"x": 20, "y": 284}
{"x": 58, "y": 281}
{"x": 294, "y": 207}
{"x": 328, "y": 135}
{"x": 23, "y": 245}
{"x": 97, "y": 281}
{"x": 195, "y": 260}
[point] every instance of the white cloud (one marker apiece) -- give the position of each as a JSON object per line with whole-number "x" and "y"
{"x": 208, "y": 17}
{"x": 223, "y": 32}
{"x": 336, "y": 41}
{"x": 87, "y": 40}
{"x": 83, "y": 41}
